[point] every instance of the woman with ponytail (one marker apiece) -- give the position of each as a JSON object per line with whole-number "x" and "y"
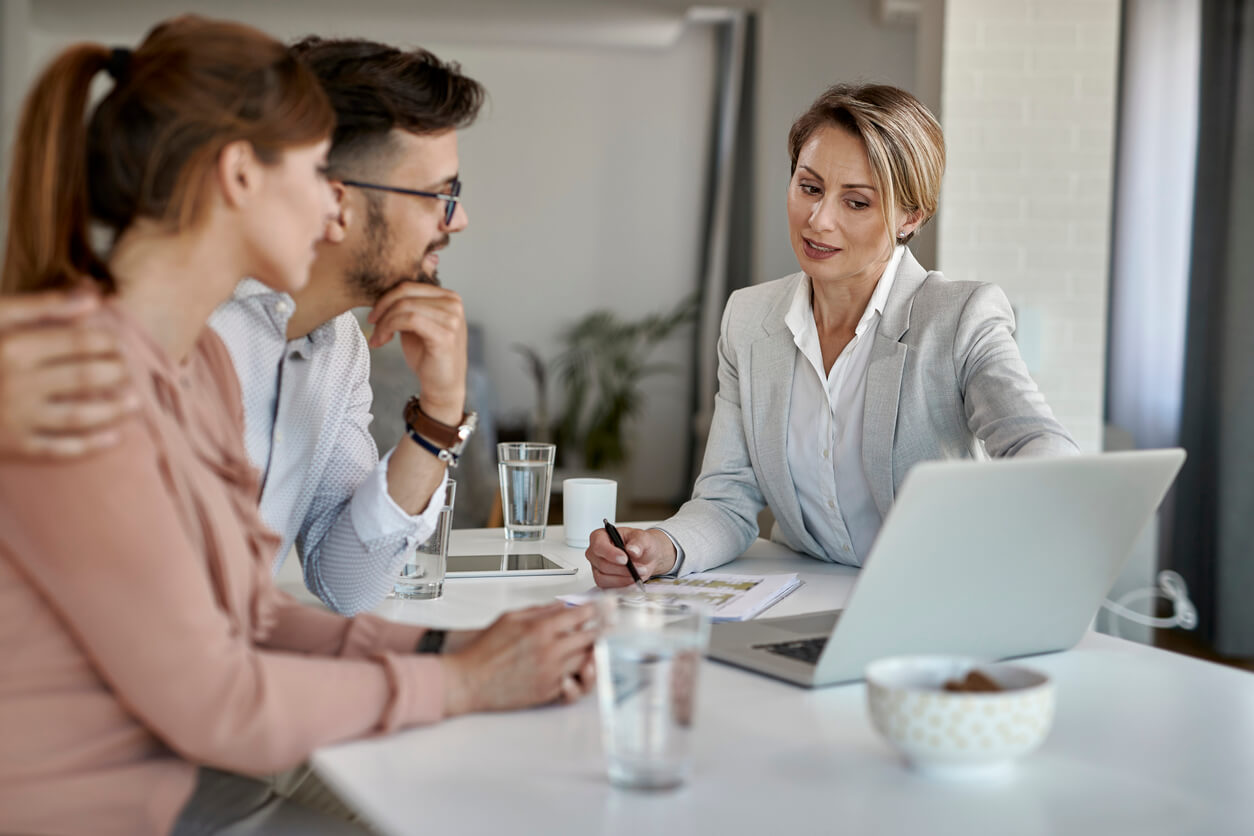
{"x": 143, "y": 646}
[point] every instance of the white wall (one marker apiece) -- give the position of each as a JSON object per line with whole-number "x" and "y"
{"x": 593, "y": 201}
{"x": 1028, "y": 108}
{"x": 806, "y": 46}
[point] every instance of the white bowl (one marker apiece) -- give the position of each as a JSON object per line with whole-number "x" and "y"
{"x": 959, "y": 734}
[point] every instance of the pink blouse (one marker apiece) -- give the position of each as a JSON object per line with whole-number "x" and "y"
{"x": 140, "y": 631}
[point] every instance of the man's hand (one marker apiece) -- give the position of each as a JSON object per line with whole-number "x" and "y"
{"x": 432, "y": 325}
{"x": 652, "y": 553}
{"x": 64, "y": 386}
{"x": 527, "y": 657}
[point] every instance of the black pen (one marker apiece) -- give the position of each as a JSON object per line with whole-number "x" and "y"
{"x": 617, "y": 540}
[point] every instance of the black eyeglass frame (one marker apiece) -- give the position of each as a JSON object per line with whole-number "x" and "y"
{"x": 450, "y": 198}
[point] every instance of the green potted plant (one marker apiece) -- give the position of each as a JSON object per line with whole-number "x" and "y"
{"x": 603, "y": 361}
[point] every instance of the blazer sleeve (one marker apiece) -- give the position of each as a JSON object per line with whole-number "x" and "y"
{"x": 1004, "y": 408}
{"x": 101, "y": 541}
{"x": 721, "y": 519}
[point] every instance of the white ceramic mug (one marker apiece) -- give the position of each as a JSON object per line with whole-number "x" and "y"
{"x": 585, "y": 503}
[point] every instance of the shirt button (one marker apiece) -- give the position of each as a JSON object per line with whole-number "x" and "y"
{"x": 282, "y": 307}
{"x": 824, "y": 454}
{"x": 831, "y": 504}
{"x": 278, "y": 436}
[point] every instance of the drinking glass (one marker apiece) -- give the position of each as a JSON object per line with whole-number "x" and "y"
{"x": 648, "y": 654}
{"x": 422, "y": 576}
{"x": 526, "y": 471}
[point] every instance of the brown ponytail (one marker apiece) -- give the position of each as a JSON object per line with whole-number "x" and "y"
{"x": 48, "y": 190}
{"x": 190, "y": 89}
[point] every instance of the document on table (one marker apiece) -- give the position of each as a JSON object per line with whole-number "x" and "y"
{"x": 729, "y": 597}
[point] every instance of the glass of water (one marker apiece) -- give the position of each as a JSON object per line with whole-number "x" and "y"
{"x": 422, "y": 576}
{"x": 648, "y": 655}
{"x": 526, "y": 470}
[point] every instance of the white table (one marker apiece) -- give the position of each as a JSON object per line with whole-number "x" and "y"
{"x": 1144, "y": 742}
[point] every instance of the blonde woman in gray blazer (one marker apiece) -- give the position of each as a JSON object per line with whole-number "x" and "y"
{"x": 835, "y": 381}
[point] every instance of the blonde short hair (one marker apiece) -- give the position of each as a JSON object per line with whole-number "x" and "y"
{"x": 903, "y": 141}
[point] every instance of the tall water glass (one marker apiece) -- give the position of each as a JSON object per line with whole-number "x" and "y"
{"x": 422, "y": 576}
{"x": 648, "y": 655}
{"x": 526, "y": 470}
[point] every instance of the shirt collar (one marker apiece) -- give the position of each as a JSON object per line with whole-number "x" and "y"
{"x": 799, "y": 310}
{"x": 800, "y": 316}
{"x": 880, "y": 296}
{"x": 279, "y": 307}
{"x": 252, "y": 287}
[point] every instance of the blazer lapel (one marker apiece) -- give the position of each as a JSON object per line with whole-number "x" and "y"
{"x": 883, "y": 382}
{"x": 773, "y": 360}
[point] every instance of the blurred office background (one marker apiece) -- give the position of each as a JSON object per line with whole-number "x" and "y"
{"x": 632, "y": 153}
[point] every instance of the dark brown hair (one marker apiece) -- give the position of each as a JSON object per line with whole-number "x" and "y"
{"x": 903, "y": 140}
{"x": 191, "y": 88}
{"x": 376, "y": 88}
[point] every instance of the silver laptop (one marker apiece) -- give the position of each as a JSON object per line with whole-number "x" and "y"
{"x": 989, "y": 559}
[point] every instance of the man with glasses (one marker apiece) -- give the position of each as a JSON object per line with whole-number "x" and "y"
{"x": 302, "y": 360}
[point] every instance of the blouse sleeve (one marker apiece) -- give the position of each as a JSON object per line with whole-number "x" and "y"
{"x": 101, "y": 540}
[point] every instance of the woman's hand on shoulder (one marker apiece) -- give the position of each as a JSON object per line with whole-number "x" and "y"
{"x": 64, "y": 386}
{"x": 652, "y": 553}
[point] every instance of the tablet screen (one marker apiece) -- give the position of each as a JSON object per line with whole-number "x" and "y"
{"x": 500, "y": 563}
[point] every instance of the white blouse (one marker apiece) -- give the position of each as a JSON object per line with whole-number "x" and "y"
{"x": 825, "y": 428}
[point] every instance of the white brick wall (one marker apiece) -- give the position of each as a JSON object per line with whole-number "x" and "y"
{"x": 1028, "y": 105}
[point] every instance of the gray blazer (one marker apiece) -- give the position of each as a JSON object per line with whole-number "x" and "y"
{"x": 945, "y": 380}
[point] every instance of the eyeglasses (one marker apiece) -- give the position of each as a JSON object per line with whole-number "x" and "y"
{"x": 450, "y": 198}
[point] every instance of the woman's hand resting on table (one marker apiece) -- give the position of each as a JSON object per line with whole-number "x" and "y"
{"x": 525, "y": 658}
{"x": 652, "y": 553}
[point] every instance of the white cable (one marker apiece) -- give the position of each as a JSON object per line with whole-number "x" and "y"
{"x": 1170, "y": 586}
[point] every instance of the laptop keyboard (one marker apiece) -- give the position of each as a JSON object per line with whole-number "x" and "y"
{"x": 807, "y": 650}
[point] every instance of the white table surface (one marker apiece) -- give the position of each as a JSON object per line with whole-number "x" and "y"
{"x": 1144, "y": 742}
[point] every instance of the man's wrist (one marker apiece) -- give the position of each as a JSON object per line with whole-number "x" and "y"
{"x": 442, "y": 440}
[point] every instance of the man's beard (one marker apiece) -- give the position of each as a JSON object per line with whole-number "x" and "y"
{"x": 368, "y": 274}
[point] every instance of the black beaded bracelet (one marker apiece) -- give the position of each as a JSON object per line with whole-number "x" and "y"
{"x": 432, "y": 641}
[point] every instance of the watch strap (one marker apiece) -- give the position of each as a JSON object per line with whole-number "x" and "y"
{"x": 439, "y": 433}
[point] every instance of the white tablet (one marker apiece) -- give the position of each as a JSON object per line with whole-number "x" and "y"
{"x": 502, "y": 565}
